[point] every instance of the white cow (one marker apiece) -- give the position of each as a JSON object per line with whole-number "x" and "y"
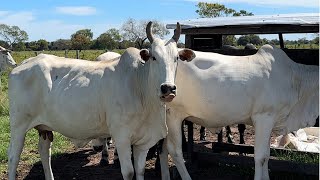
{"x": 6, "y": 61}
{"x": 267, "y": 90}
{"x": 84, "y": 100}
{"x": 107, "y": 56}
{"x": 101, "y": 144}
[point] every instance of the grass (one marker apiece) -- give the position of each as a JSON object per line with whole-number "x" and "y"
{"x": 19, "y": 56}
{"x": 311, "y": 158}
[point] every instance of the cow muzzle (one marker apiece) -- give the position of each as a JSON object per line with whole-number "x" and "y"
{"x": 168, "y": 92}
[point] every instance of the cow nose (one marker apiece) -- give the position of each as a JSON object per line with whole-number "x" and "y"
{"x": 168, "y": 88}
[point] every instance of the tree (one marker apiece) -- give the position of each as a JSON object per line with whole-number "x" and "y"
{"x": 108, "y": 40}
{"x": 315, "y": 40}
{"x": 274, "y": 42}
{"x": 242, "y": 13}
{"x": 243, "y": 40}
{"x": 12, "y": 34}
{"x": 4, "y": 44}
{"x": 211, "y": 10}
{"x": 33, "y": 45}
{"x": 229, "y": 40}
{"x": 252, "y": 38}
{"x": 43, "y": 45}
{"x": 85, "y": 32}
{"x": 124, "y": 44}
{"x": 61, "y": 44}
{"x": 20, "y": 46}
{"x": 81, "y": 39}
{"x": 135, "y": 31}
{"x": 303, "y": 41}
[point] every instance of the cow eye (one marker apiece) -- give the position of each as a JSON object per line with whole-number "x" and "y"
{"x": 154, "y": 58}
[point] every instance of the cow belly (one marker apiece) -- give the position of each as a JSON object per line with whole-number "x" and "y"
{"x": 75, "y": 124}
{"x": 218, "y": 113}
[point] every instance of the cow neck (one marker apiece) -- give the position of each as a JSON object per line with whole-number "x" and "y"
{"x": 147, "y": 84}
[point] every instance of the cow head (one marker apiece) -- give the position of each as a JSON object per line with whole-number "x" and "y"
{"x": 163, "y": 57}
{"x": 6, "y": 59}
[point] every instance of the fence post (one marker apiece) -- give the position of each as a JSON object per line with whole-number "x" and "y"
{"x": 65, "y": 53}
{"x": 77, "y": 54}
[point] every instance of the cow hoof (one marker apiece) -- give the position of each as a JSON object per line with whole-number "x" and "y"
{"x": 104, "y": 162}
{"x": 97, "y": 148}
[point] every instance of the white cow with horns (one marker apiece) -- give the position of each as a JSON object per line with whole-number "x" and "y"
{"x": 6, "y": 60}
{"x": 84, "y": 100}
{"x": 267, "y": 90}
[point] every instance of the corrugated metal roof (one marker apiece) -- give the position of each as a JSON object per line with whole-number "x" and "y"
{"x": 281, "y": 19}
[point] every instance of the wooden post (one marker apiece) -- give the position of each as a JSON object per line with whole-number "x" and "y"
{"x": 281, "y": 41}
{"x": 77, "y": 54}
{"x": 188, "y": 41}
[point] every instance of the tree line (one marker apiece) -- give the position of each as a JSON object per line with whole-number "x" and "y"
{"x": 131, "y": 34}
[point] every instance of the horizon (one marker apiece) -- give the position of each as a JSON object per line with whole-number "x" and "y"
{"x": 57, "y": 19}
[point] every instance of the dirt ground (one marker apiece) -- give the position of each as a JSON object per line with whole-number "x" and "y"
{"x": 83, "y": 164}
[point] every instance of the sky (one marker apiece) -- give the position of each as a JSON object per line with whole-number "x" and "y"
{"x": 58, "y": 19}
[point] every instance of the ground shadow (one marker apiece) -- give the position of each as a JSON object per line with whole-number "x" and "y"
{"x": 77, "y": 166}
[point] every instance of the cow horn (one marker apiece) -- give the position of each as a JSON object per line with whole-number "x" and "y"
{"x": 177, "y": 33}
{"x": 149, "y": 32}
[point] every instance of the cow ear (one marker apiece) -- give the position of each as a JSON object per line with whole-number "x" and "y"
{"x": 145, "y": 55}
{"x": 186, "y": 55}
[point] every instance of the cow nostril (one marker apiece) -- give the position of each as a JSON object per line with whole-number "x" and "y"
{"x": 164, "y": 89}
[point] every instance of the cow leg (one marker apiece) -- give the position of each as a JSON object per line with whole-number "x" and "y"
{"x": 44, "y": 146}
{"x": 158, "y": 151}
{"x": 220, "y": 140}
{"x": 174, "y": 142}
{"x": 98, "y": 144}
{"x": 165, "y": 174}
{"x": 263, "y": 124}
{"x": 139, "y": 159}
{"x": 124, "y": 151}
{"x": 241, "y": 129}
{"x": 228, "y": 135}
{"x": 183, "y": 138}
{"x": 116, "y": 161}
{"x": 102, "y": 144}
{"x": 105, "y": 152}
{"x": 202, "y": 133}
{"x": 15, "y": 149}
